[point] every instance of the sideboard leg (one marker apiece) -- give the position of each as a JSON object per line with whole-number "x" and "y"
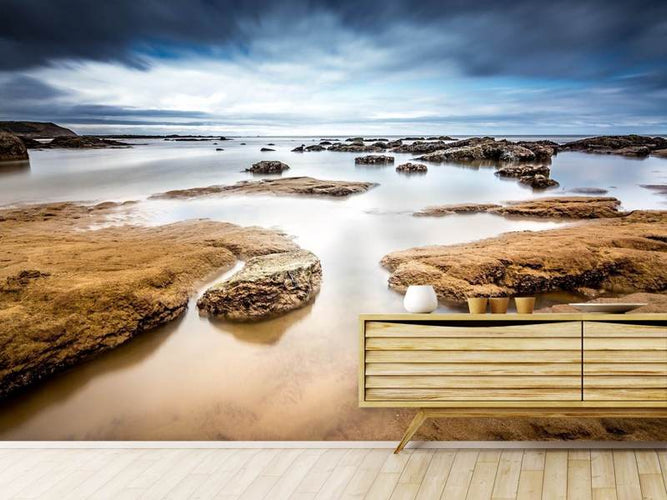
{"x": 412, "y": 428}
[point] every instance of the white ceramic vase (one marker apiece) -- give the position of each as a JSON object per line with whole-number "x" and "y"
{"x": 420, "y": 299}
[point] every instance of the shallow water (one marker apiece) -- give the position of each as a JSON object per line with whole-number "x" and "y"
{"x": 293, "y": 377}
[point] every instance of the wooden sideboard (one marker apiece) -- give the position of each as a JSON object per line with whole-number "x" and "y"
{"x": 478, "y": 365}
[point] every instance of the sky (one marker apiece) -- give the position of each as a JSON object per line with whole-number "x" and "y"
{"x": 298, "y": 67}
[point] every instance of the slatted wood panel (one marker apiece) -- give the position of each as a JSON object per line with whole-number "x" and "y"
{"x": 434, "y": 364}
{"x": 624, "y": 362}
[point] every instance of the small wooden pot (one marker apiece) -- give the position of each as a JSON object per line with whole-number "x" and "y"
{"x": 499, "y": 304}
{"x": 524, "y": 305}
{"x": 477, "y": 305}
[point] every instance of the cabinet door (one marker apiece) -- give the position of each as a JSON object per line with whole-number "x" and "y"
{"x": 625, "y": 362}
{"x": 436, "y": 364}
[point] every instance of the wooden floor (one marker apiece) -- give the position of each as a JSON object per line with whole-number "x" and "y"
{"x": 333, "y": 473}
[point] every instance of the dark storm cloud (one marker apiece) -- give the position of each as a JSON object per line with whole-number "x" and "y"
{"x": 570, "y": 39}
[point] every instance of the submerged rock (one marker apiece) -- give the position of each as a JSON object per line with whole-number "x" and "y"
{"x": 538, "y": 181}
{"x": 621, "y": 254}
{"x": 565, "y": 207}
{"x": 523, "y": 171}
{"x": 268, "y": 286}
{"x": 268, "y": 167}
{"x": 412, "y": 168}
{"x": 289, "y": 186}
{"x": 12, "y": 148}
{"x": 374, "y": 160}
{"x": 267, "y": 149}
{"x": 626, "y": 145}
{"x": 85, "y": 142}
{"x": 299, "y": 149}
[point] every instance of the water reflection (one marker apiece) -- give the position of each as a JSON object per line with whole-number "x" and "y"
{"x": 293, "y": 377}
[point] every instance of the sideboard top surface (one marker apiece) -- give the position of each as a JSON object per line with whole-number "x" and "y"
{"x": 514, "y": 317}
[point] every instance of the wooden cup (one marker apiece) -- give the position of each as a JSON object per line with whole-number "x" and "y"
{"x": 499, "y": 304}
{"x": 477, "y": 305}
{"x": 524, "y": 305}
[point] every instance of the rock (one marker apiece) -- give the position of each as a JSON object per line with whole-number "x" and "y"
{"x": 662, "y": 153}
{"x": 30, "y": 143}
{"x": 219, "y": 149}
{"x": 315, "y": 147}
{"x": 35, "y": 130}
{"x": 299, "y": 149}
{"x": 589, "y": 190}
{"x": 465, "y": 208}
{"x": 413, "y": 138}
{"x": 374, "y": 160}
{"x": 543, "y": 150}
{"x": 12, "y": 148}
{"x": 242, "y": 144}
{"x": 355, "y": 139}
{"x": 326, "y": 143}
{"x": 267, "y": 149}
{"x": 85, "y": 142}
{"x": 289, "y": 186}
{"x": 572, "y": 207}
{"x": 440, "y": 138}
{"x": 627, "y": 145}
{"x": 379, "y": 145}
{"x": 538, "y": 181}
{"x": 268, "y": 286}
{"x": 268, "y": 167}
{"x": 394, "y": 144}
{"x": 68, "y": 293}
{"x": 223, "y": 138}
{"x": 523, "y": 171}
{"x": 621, "y": 254}
{"x": 355, "y": 148}
{"x": 418, "y": 147}
{"x": 488, "y": 149}
{"x": 270, "y": 144}
{"x": 412, "y": 168}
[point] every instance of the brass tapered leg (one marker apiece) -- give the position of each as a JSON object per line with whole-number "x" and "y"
{"x": 414, "y": 426}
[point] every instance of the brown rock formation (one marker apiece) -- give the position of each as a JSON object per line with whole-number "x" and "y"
{"x": 374, "y": 160}
{"x": 572, "y": 207}
{"x": 623, "y": 255}
{"x": 68, "y": 293}
{"x": 412, "y": 168}
{"x": 12, "y": 148}
{"x": 289, "y": 186}
{"x": 315, "y": 147}
{"x": 662, "y": 153}
{"x": 355, "y": 148}
{"x": 268, "y": 286}
{"x": 523, "y": 171}
{"x": 627, "y": 145}
{"x": 35, "y": 130}
{"x": 538, "y": 182}
{"x": 268, "y": 167}
{"x": 488, "y": 149}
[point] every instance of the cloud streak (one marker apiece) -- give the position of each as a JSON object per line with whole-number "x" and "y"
{"x": 271, "y": 67}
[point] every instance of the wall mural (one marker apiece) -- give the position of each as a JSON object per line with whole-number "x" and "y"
{"x": 208, "y": 288}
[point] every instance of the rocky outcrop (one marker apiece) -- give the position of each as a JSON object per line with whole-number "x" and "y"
{"x": 626, "y": 145}
{"x": 662, "y": 153}
{"x": 289, "y": 186}
{"x": 419, "y": 147}
{"x": 374, "y": 160}
{"x": 268, "y": 286}
{"x": 488, "y": 149}
{"x": 523, "y": 171}
{"x": 355, "y": 148}
{"x": 315, "y": 147}
{"x": 538, "y": 182}
{"x": 412, "y": 168}
{"x": 622, "y": 254}
{"x": 12, "y": 148}
{"x": 85, "y": 142}
{"x": 355, "y": 139}
{"x": 35, "y": 130}
{"x": 268, "y": 167}
{"x": 68, "y": 293}
{"x": 299, "y": 149}
{"x": 570, "y": 207}
{"x": 264, "y": 150}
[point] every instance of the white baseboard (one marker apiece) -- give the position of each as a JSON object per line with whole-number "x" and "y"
{"x": 335, "y": 444}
